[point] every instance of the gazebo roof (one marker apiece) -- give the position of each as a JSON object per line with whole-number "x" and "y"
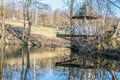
{"x": 86, "y": 11}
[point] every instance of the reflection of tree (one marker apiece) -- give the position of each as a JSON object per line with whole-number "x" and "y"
{"x": 28, "y": 57}
{"x": 22, "y": 72}
{"x": 25, "y": 70}
{"x": 70, "y": 69}
{"x": 69, "y": 73}
{"x": 25, "y": 75}
{"x": 1, "y": 61}
{"x": 1, "y": 67}
{"x": 113, "y": 74}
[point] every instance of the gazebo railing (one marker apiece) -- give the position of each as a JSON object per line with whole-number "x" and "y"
{"x": 64, "y": 30}
{"x": 76, "y": 31}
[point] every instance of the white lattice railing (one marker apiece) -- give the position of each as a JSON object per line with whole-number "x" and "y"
{"x": 77, "y": 30}
{"x": 64, "y": 30}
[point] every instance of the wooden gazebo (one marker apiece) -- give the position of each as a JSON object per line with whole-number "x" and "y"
{"x": 85, "y": 14}
{"x": 88, "y": 17}
{"x": 86, "y": 11}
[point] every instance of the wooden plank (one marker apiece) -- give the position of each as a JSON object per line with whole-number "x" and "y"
{"x": 69, "y": 35}
{"x": 76, "y": 65}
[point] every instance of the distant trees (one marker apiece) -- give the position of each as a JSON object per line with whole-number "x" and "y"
{"x": 41, "y": 13}
{"x": 55, "y": 14}
{"x": 106, "y": 11}
{"x": 60, "y": 17}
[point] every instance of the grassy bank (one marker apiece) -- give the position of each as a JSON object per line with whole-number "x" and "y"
{"x": 40, "y": 30}
{"x": 46, "y": 35}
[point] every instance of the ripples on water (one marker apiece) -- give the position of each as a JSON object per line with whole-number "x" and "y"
{"x": 21, "y": 63}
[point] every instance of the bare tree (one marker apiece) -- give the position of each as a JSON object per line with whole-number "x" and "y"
{"x": 38, "y": 7}
{"x": 29, "y": 19}
{"x": 23, "y": 5}
{"x": 71, "y": 12}
{"x": 55, "y": 18}
{"x": 36, "y": 15}
{"x": 3, "y": 21}
{"x": 116, "y": 31}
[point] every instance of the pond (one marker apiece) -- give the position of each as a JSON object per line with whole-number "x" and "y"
{"x": 21, "y": 63}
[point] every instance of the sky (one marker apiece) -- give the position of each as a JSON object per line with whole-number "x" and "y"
{"x": 59, "y": 4}
{"x": 55, "y": 4}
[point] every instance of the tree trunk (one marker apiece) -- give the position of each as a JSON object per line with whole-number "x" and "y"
{"x": 116, "y": 31}
{"x": 55, "y": 18}
{"x": 71, "y": 12}
{"x": 105, "y": 16}
{"x": 71, "y": 15}
{"x": 3, "y": 21}
{"x": 24, "y": 25}
{"x": 36, "y": 16}
{"x": 29, "y": 20}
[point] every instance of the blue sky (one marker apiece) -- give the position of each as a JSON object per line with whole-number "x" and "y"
{"x": 55, "y": 4}
{"x": 59, "y": 4}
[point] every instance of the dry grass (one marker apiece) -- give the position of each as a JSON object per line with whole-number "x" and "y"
{"x": 41, "y": 30}
{"x": 44, "y": 31}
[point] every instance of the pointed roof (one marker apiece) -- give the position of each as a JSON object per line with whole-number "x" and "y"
{"x": 86, "y": 11}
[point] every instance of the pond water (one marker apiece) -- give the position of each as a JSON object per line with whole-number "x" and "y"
{"x": 21, "y": 63}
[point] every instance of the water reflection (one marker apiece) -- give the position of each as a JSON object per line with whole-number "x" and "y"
{"x": 25, "y": 70}
{"x": 22, "y": 63}
{"x": 91, "y": 67}
{"x": 1, "y": 61}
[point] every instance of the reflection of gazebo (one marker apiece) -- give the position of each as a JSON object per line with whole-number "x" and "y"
{"x": 87, "y": 25}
